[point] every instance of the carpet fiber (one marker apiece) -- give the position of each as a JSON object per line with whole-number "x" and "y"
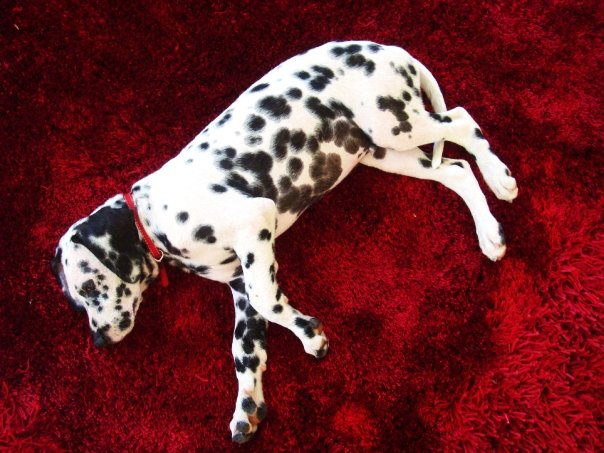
{"x": 433, "y": 347}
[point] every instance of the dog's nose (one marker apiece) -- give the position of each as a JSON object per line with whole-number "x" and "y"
{"x": 99, "y": 339}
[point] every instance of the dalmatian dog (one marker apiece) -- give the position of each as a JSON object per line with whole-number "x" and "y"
{"x": 217, "y": 207}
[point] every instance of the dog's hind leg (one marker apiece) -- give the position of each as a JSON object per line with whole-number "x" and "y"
{"x": 457, "y": 176}
{"x": 249, "y": 352}
{"x": 398, "y": 126}
{"x": 254, "y": 246}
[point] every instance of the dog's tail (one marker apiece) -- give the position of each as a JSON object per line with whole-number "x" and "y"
{"x": 430, "y": 86}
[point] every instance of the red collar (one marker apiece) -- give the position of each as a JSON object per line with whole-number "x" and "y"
{"x": 156, "y": 253}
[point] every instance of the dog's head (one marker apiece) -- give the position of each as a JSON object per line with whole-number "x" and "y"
{"x": 103, "y": 268}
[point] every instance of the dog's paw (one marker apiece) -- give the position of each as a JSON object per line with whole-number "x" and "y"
{"x": 500, "y": 181}
{"x": 313, "y": 338}
{"x": 250, "y": 411}
{"x": 491, "y": 239}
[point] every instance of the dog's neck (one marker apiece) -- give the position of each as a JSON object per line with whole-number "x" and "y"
{"x": 154, "y": 255}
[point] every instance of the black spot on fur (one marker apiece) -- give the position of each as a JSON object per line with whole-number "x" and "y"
{"x": 85, "y": 267}
{"x": 397, "y": 108}
{"x": 374, "y": 48}
{"x": 298, "y": 139}
{"x": 251, "y": 363}
{"x": 241, "y": 303}
{"x": 277, "y": 308}
{"x": 230, "y": 152}
{"x": 248, "y": 405}
{"x": 239, "y": 329}
{"x": 204, "y": 145}
{"x": 326, "y": 72}
{"x": 478, "y": 134}
{"x": 237, "y": 272}
{"x": 238, "y": 285}
{"x": 88, "y": 289}
{"x": 265, "y": 235}
{"x": 259, "y": 87}
{"x": 325, "y": 170}
{"x": 353, "y": 48}
{"x": 259, "y": 162}
{"x": 405, "y": 126}
{"x": 256, "y": 123}
{"x": 239, "y": 366}
{"x": 161, "y": 237}
{"x": 125, "y": 322}
{"x": 303, "y": 75}
{"x": 253, "y": 140}
{"x": 324, "y": 131}
{"x": 280, "y": 142}
{"x": 340, "y": 109}
{"x": 440, "y": 118}
{"x": 379, "y": 152}
{"x": 355, "y": 61}
{"x": 425, "y": 163}
{"x": 319, "y": 83}
{"x": 285, "y": 183}
{"x": 406, "y": 96}
{"x": 227, "y": 164}
{"x": 204, "y": 233}
{"x": 182, "y": 217}
{"x": 249, "y": 261}
{"x": 230, "y": 259}
{"x": 201, "y": 269}
{"x": 218, "y": 188}
{"x": 294, "y": 93}
{"x": 238, "y": 182}
{"x": 318, "y": 109}
{"x": 294, "y": 167}
{"x": 312, "y": 144}
{"x": 250, "y": 311}
{"x": 337, "y": 51}
{"x": 277, "y": 107}
{"x": 341, "y": 131}
{"x": 224, "y": 119}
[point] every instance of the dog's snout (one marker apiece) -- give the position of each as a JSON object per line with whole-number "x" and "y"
{"x": 99, "y": 339}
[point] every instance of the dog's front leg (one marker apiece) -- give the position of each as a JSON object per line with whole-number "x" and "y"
{"x": 249, "y": 352}
{"x": 255, "y": 248}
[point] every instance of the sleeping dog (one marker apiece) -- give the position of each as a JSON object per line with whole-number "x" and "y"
{"x": 217, "y": 207}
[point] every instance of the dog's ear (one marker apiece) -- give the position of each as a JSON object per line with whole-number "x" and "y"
{"x": 111, "y": 235}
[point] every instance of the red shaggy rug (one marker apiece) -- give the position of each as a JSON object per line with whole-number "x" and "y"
{"x": 433, "y": 347}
